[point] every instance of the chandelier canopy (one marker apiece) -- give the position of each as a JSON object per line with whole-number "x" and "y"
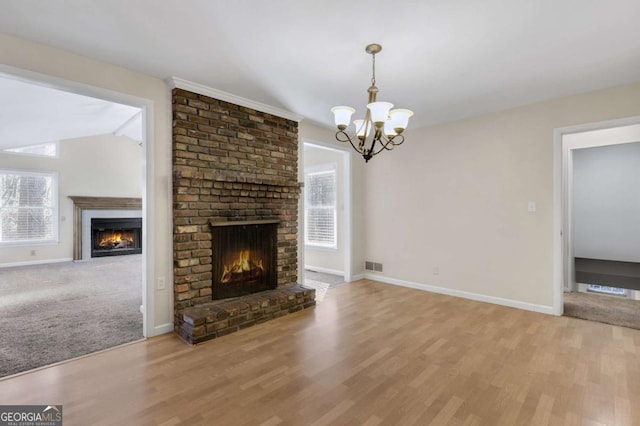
{"x": 382, "y": 127}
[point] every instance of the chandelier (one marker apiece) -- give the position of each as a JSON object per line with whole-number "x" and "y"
{"x": 382, "y": 126}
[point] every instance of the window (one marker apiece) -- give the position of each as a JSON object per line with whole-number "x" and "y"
{"x": 28, "y": 207}
{"x": 320, "y": 207}
{"x": 45, "y": 150}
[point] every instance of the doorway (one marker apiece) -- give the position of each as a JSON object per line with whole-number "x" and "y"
{"x": 596, "y": 231}
{"x": 82, "y": 157}
{"x": 326, "y": 216}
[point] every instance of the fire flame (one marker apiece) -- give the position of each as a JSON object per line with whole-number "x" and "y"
{"x": 116, "y": 239}
{"x": 243, "y": 263}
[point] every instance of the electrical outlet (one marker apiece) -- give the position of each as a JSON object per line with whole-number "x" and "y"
{"x": 436, "y": 270}
{"x": 161, "y": 283}
{"x": 33, "y": 252}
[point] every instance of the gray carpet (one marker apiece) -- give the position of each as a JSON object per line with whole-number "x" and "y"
{"x": 50, "y": 313}
{"x": 602, "y": 308}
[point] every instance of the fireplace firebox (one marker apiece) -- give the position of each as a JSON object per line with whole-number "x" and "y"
{"x": 244, "y": 258}
{"x": 116, "y": 236}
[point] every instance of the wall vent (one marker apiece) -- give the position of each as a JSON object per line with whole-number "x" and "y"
{"x": 372, "y": 266}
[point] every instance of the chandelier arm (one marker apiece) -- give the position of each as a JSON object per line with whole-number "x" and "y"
{"x": 388, "y": 144}
{"x": 401, "y": 140}
{"x": 346, "y": 138}
{"x": 376, "y": 132}
{"x": 383, "y": 146}
{"x": 381, "y": 139}
{"x": 392, "y": 143}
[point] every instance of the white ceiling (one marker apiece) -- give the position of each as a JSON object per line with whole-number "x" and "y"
{"x": 445, "y": 59}
{"x": 32, "y": 114}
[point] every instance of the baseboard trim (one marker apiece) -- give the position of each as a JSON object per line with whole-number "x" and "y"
{"x": 163, "y": 329}
{"x": 35, "y": 262}
{"x": 357, "y": 277}
{"x": 324, "y": 270}
{"x": 464, "y": 294}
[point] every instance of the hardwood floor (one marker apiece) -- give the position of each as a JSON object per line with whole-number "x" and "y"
{"x": 369, "y": 354}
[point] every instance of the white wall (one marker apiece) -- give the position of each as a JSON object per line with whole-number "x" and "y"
{"x": 105, "y": 166}
{"x": 24, "y": 58}
{"x": 454, "y": 197}
{"x": 606, "y": 202}
{"x": 319, "y": 258}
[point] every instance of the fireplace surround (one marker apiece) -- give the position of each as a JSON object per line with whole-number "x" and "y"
{"x": 231, "y": 164}
{"x": 84, "y": 204}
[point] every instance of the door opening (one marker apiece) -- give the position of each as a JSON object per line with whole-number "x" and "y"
{"x": 326, "y": 214}
{"x": 567, "y": 141}
{"x": 134, "y": 129}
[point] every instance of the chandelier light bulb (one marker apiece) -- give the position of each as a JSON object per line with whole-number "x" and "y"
{"x": 389, "y": 131}
{"x": 342, "y": 116}
{"x": 362, "y": 131}
{"x": 379, "y": 112}
{"x": 400, "y": 119}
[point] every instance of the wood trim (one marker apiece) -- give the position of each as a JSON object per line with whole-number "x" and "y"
{"x": 81, "y": 203}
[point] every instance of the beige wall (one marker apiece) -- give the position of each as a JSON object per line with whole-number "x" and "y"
{"x": 62, "y": 68}
{"x": 105, "y": 165}
{"x": 449, "y": 207}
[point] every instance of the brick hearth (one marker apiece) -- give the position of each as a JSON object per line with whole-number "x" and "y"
{"x": 219, "y": 318}
{"x": 230, "y": 163}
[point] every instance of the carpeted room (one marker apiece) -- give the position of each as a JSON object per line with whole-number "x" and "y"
{"x": 66, "y": 160}
{"x": 52, "y": 313}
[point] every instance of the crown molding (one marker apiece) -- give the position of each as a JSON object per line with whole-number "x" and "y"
{"x": 175, "y": 82}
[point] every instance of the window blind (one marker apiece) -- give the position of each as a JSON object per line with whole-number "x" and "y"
{"x": 27, "y": 207}
{"x": 320, "y": 208}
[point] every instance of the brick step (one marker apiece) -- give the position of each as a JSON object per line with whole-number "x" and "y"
{"x": 215, "y": 319}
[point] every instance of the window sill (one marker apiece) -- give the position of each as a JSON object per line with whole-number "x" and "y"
{"x": 321, "y": 248}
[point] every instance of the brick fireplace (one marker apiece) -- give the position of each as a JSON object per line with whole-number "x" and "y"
{"x": 231, "y": 164}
